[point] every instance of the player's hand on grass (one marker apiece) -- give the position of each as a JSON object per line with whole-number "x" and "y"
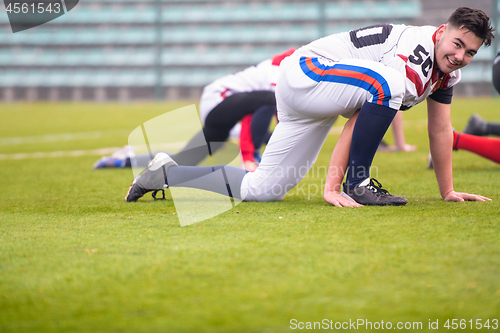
{"x": 338, "y": 200}
{"x": 407, "y": 148}
{"x": 460, "y": 197}
{"x": 391, "y": 149}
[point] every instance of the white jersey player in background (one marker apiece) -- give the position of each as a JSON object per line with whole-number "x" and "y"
{"x": 366, "y": 75}
{"x": 246, "y": 97}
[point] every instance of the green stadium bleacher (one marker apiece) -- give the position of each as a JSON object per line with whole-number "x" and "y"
{"x": 115, "y": 57}
{"x": 70, "y": 57}
{"x": 80, "y": 79}
{"x": 47, "y": 57}
{"x": 94, "y": 57}
{"x": 272, "y": 13}
{"x": 408, "y": 9}
{"x": 7, "y": 57}
{"x": 296, "y": 11}
{"x": 113, "y": 43}
{"x": 54, "y": 78}
{"x": 11, "y": 77}
{"x": 381, "y": 10}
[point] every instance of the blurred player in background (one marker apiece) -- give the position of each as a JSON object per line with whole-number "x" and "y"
{"x": 399, "y": 137}
{"x": 366, "y": 75}
{"x": 247, "y": 96}
{"x": 496, "y": 73}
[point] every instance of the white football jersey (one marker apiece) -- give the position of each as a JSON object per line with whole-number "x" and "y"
{"x": 408, "y": 49}
{"x": 260, "y": 77}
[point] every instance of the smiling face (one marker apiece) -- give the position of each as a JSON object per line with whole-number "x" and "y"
{"x": 455, "y": 48}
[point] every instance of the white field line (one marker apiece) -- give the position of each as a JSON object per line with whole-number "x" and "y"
{"x": 78, "y": 153}
{"x": 49, "y": 138}
{"x": 60, "y": 137}
{"x": 52, "y": 154}
{"x": 98, "y": 152}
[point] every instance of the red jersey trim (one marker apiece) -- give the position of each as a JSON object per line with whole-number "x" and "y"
{"x": 224, "y": 93}
{"x": 413, "y": 76}
{"x": 278, "y": 58}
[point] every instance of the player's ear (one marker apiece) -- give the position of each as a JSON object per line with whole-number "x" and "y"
{"x": 440, "y": 31}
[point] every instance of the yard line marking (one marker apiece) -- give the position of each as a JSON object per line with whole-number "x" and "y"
{"x": 52, "y": 154}
{"x": 5, "y": 141}
{"x": 89, "y": 152}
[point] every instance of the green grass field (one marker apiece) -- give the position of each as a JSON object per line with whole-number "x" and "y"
{"x": 75, "y": 257}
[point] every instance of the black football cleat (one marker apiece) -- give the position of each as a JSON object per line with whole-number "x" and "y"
{"x": 153, "y": 179}
{"x": 370, "y": 192}
{"x": 476, "y": 126}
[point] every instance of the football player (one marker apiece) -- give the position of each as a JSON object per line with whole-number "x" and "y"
{"x": 366, "y": 75}
{"x": 246, "y": 96}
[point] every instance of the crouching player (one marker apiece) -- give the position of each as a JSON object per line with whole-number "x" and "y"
{"x": 377, "y": 70}
{"x": 246, "y": 96}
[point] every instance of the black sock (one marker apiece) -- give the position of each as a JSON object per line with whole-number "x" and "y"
{"x": 372, "y": 123}
{"x": 260, "y": 124}
{"x": 195, "y": 177}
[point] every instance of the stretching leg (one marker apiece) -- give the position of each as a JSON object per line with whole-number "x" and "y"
{"x": 218, "y": 125}
{"x": 486, "y": 147}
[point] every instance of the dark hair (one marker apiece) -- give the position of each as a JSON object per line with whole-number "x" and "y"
{"x": 474, "y": 20}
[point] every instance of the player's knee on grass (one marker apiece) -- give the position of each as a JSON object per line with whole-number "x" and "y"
{"x": 260, "y": 195}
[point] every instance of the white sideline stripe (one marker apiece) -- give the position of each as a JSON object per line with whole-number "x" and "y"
{"x": 51, "y": 154}
{"x": 78, "y": 153}
{"x": 60, "y": 137}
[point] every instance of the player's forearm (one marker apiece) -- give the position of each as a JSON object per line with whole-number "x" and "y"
{"x": 338, "y": 162}
{"x": 335, "y": 176}
{"x": 441, "y": 144}
{"x": 340, "y": 158}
